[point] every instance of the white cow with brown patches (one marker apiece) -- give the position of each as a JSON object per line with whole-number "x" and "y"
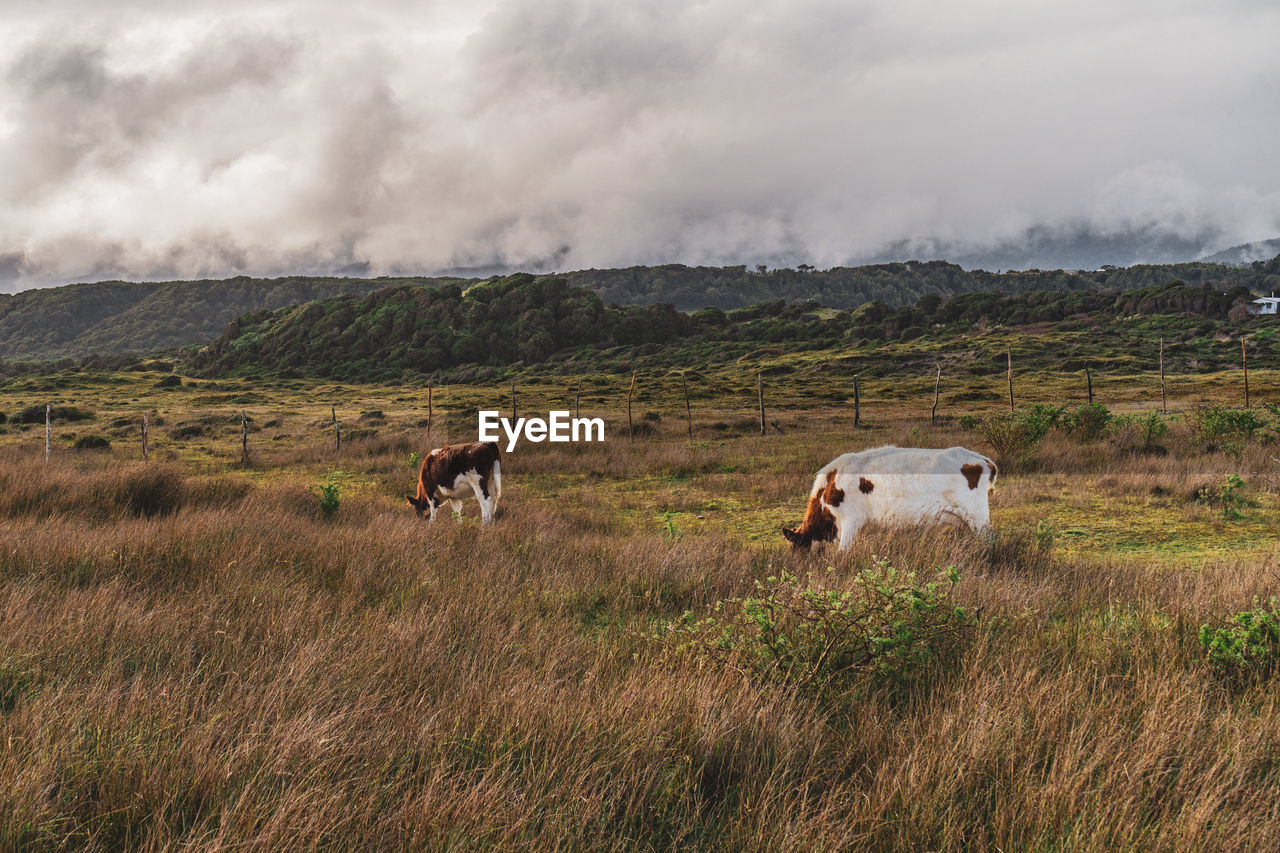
{"x": 458, "y": 471}
{"x": 895, "y": 485}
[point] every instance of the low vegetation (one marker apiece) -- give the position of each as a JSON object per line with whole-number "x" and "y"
{"x": 877, "y": 628}
{"x": 195, "y": 652}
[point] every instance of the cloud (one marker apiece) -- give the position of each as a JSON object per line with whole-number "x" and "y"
{"x": 166, "y": 141}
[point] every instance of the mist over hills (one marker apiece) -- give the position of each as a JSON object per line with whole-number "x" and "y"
{"x": 1247, "y": 253}
{"x": 113, "y": 317}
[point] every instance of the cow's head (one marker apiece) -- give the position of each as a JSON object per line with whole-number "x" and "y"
{"x": 797, "y": 539}
{"x": 419, "y": 506}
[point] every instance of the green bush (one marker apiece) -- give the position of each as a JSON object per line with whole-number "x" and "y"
{"x": 93, "y": 442}
{"x": 1140, "y": 433}
{"x": 1089, "y": 422}
{"x": 887, "y": 627}
{"x": 1245, "y": 646}
{"x": 1224, "y": 428}
{"x": 1227, "y": 498}
{"x": 1013, "y": 435}
{"x": 35, "y": 414}
{"x": 1150, "y": 429}
{"x": 328, "y": 495}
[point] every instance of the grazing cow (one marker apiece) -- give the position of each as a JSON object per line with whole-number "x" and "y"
{"x": 895, "y": 485}
{"x": 457, "y": 471}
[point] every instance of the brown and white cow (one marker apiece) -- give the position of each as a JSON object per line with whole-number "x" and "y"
{"x": 458, "y": 471}
{"x": 895, "y": 485}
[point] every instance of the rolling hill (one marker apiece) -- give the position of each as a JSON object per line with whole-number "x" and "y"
{"x": 114, "y": 317}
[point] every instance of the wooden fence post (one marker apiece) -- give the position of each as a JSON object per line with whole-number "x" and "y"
{"x": 1244, "y": 363}
{"x": 1009, "y": 353}
{"x": 145, "y": 456}
{"x": 513, "y": 401}
{"x": 577, "y": 395}
{"x": 933, "y": 413}
{"x": 48, "y": 432}
{"x": 760, "y": 394}
{"x": 429, "y": 412}
{"x": 1088, "y": 378}
{"x": 631, "y": 433}
{"x": 1164, "y": 399}
{"x": 244, "y": 438}
{"x": 688, "y": 412}
{"x": 857, "y": 404}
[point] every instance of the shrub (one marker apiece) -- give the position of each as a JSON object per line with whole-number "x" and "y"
{"x": 35, "y": 414}
{"x": 1226, "y": 497}
{"x": 328, "y": 495}
{"x": 1150, "y": 429}
{"x": 1089, "y": 422}
{"x": 969, "y": 422}
{"x": 1245, "y": 646}
{"x": 1223, "y": 428}
{"x": 1012, "y": 436}
{"x": 887, "y": 628}
{"x": 93, "y": 442}
{"x": 170, "y": 381}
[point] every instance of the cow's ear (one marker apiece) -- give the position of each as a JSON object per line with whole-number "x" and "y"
{"x": 413, "y": 502}
{"x": 792, "y": 536}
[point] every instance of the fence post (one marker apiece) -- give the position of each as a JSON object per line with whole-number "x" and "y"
{"x": 933, "y": 413}
{"x": 688, "y": 412}
{"x": 760, "y": 394}
{"x": 631, "y": 434}
{"x": 428, "y": 409}
{"x": 145, "y": 456}
{"x": 577, "y": 395}
{"x": 513, "y": 401}
{"x": 857, "y": 404}
{"x": 48, "y": 432}
{"x": 1164, "y": 399}
{"x": 1009, "y": 353}
{"x": 1244, "y": 363}
{"x": 1088, "y": 378}
{"x": 244, "y": 438}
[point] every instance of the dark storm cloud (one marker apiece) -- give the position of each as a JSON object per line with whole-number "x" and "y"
{"x": 162, "y": 140}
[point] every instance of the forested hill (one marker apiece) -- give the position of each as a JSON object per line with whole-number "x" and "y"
{"x": 410, "y": 332}
{"x": 691, "y": 288}
{"x": 117, "y": 317}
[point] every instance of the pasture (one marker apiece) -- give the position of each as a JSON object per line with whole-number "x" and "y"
{"x": 195, "y": 652}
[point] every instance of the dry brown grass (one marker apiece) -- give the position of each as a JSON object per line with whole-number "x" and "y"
{"x": 202, "y": 660}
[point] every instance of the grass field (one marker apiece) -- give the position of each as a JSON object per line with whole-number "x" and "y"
{"x": 192, "y": 654}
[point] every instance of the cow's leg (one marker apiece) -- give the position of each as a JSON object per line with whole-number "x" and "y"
{"x": 434, "y": 505}
{"x": 847, "y": 529}
{"x": 480, "y": 488}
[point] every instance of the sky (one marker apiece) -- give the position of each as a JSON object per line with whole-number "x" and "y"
{"x": 150, "y": 140}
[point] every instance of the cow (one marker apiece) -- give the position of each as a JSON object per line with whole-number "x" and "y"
{"x": 457, "y": 471}
{"x": 895, "y": 485}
